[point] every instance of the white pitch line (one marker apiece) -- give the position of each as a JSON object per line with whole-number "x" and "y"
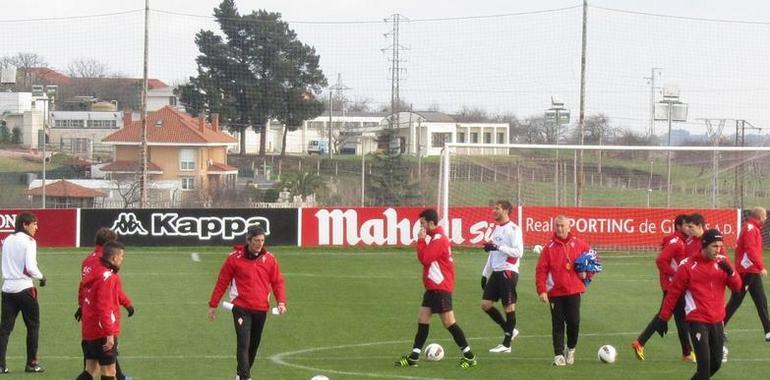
{"x": 195, "y": 257}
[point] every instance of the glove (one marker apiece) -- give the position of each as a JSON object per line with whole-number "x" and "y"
{"x": 661, "y": 327}
{"x": 490, "y": 247}
{"x": 483, "y": 282}
{"x": 723, "y": 265}
{"x": 42, "y": 282}
{"x": 130, "y": 310}
{"x": 79, "y": 314}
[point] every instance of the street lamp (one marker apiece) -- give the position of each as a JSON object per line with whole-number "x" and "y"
{"x": 558, "y": 115}
{"x": 670, "y": 108}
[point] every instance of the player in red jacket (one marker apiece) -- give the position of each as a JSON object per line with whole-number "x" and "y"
{"x": 751, "y": 267}
{"x": 702, "y": 279}
{"x": 91, "y": 263}
{"x": 696, "y": 225}
{"x": 671, "y": 254}
{"x": 251, "y": 273}
{"x": 101, "y": 314}
{"x": 438, "y": 276}
{"x": 559, "y": 285}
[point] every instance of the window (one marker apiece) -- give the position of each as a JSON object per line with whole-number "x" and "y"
{"x": 487, "y": 137}
{"x": 187, "y": 159}
{"x": 474, "y": 137}
{"x": 438, "y": 139}
{"x": 315, "y": 125}
{"x": 461, "y": 137}
{"x": 501, "y": 138}
{"x": 188, "y": 183}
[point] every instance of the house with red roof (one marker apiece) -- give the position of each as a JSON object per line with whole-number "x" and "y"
{"x": 180, "y": 147}
{"x": 65, "y": 194}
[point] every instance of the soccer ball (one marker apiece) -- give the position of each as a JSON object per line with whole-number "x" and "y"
{"x": 434, "y": 352}
{"x": 319, "y": 377}
{"x": 537, "y": 249}
{"x": 607, "y": 354}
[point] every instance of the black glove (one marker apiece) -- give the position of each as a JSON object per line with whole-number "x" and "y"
{"x": 79, "y": 313}
{"x": 723, "y": 265}
{"x": 42, "y": 282}
{"x": 483, "y": 282}
{"x": 490, "y": 247}
{"x": 661, "y": 327}
{"x": 130, "y": 310}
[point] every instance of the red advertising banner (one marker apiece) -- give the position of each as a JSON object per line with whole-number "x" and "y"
{"x": 616, "y": 228}
{"x": 56, "y": 227}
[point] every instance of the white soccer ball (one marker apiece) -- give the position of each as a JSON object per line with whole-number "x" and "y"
{"x": 319, "y": 377}
{"x": 434, "y": 352}
{"x": 537, "y": 249}
{"x": 607, "y": 354}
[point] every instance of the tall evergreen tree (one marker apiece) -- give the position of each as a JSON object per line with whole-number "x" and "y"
{"x": 390, "y": 182}
{"x": 256, "y": 71}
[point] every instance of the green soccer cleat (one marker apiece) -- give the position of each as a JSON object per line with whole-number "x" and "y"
{"x": 468, "y": 363}
{"x": 406, "y": 361}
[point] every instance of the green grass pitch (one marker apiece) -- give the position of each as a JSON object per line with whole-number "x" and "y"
{"x": 352, "y": 312}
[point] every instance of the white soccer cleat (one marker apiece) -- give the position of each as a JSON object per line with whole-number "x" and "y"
{"x": 767, "y": 337}
{"x": 500, "y": 349}
{"x": 516, "y": 333}
{"x": 559, "y": 361}
{"x": 725, "y": 351}
{"x": 570, "y": 356}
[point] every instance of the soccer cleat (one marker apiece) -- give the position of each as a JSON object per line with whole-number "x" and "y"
{"x": 559, "y": 361}
{"x": 406, "y": 361}
{"x": 515, "y": 334}
{"x": 500, "y": 349}
{"x": 767, "y": 337}
{"x": 3, "y": 369}
{"x": 689, "y": 357}
{"x": 725, "y": 351}
{"x": 570, "y": 356}
{"x": 638, "y": 350}
{"x": 34, "y": 368}
{"x": 468, "y": 362}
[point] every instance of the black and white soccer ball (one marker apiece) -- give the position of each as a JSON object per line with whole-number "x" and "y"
{"x": 434, "y": 352}
{"x": 607, "y": 354}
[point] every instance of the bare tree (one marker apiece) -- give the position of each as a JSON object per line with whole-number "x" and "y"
{"x": 23, "y": 61}
{"x": 128, "y": 190}
{"x": 87, "y": 68}
{"x": 472, "y": 115}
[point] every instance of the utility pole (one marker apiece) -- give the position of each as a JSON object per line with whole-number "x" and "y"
{"x": 582, "y": 117}
{"x": 651, "y": 80}
{"x": 395, "y": 67}
{"x": 143, "y": 148}
{"x": 715, "y": 134}
{"x": 340, "y": 88}
{"x": 740, "y": 140}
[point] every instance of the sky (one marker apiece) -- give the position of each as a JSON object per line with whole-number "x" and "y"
{"x": 501, "y": 56}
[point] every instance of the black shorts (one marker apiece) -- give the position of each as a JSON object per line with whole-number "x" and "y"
{"x": 92, "y": 350}
{"x": 502, "y": 286}
{"x": 438, "y": 301}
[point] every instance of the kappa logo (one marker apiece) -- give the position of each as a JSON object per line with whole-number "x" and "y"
{"x": 128, "y": 224}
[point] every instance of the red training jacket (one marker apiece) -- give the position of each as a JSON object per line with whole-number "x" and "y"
{"x": 101, "y": 303}
{"x": 748, "y": 251}
{"x": 703, "y": 284}
{"x": 555, "y": 271}
{"x": 90, "y": 263}
{"x": 693, "y": 246}
{"x": 671, "y": 254}
{"x": 435, "y": 255}
{"x": 250, "y": 280}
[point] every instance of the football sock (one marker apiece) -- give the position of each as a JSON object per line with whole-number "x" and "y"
{"x": 419, "y": 340}
{"x": 510, "y": 324}
{"x": 459, "y": 337}
{"x": 496, "y": 316}
{"x": 85, "y": 376}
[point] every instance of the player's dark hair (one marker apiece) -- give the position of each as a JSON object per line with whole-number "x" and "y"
{"x": 103, "y": 235}
{"x": 696, "y": 219}
{"x": 430, "y": 215}
{"x": 111, "y": 248}
{"x": 24, "y": 219}
{"x": 680, "y": 219}
{"x": 505, "y": 205}
{"x": 254, "y": 231}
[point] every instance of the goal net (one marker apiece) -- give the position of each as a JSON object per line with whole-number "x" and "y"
{"x": 615, "y": 191}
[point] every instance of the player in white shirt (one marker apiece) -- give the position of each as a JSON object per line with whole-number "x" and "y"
{"x": 501, "y": 273}
{"x": 19, "y": 265}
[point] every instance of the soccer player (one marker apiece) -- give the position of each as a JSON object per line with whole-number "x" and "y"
{"x": 434, "y": 252}
{"x": 93, "y": 262}
{"x": 671, "y": 254}
{"x": 559, "y": 285}
{"x": 695, "y": 225}
{"x": 251, "y": 272}
{"x": 101, "y": 314}
{"x": 501, "y": 273}
{"x": 19, "y": 293}
{"x": 751, "y": 267}
{"x": 703, "y": 278}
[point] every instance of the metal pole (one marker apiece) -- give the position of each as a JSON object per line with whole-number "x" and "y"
{"x": 649, "y": 185}
{"x": 143, "y": 170}
{"x": 581, "y": 121}
{"x": 445, "y": 185}
{"x": 363, "y": 174}
{"x": 331, "y": 108}
{"x": 556, "y": 174}
{"x": 668, "y": 160}
{"x": 45, "y": 125}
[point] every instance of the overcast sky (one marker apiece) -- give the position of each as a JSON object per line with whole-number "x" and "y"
{"x": 512, "y": 62}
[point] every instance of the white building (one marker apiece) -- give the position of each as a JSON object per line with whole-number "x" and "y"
{"x": 80, "y": 133}
{"x": 27, "y": 113}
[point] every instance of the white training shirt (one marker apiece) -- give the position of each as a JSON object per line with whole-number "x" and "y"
{"x": 510, "y": 249}
{"x": 19, "y": 262}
